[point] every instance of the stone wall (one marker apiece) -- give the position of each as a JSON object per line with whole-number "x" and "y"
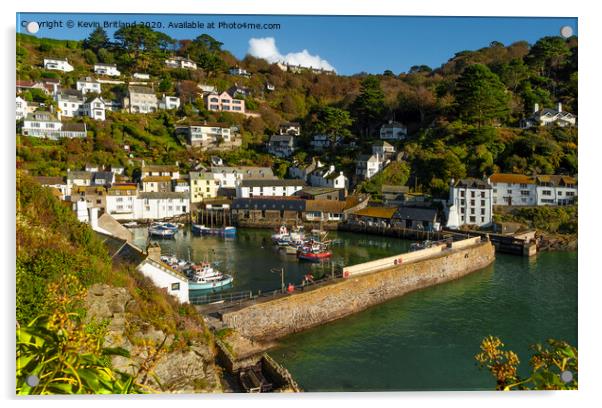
{"x": 272, "y": 319}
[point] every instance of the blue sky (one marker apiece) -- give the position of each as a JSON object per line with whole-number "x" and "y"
{"x": 348, "y": 43}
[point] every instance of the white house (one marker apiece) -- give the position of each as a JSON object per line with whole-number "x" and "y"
{"x": 142, "y": 76}
{"x": 156, "y": 206}
{"x": 383, "y": 148}
{"x": 70, "y": 104}
{"x": 470, "y": 203}
{"x": 367, "y": 165}
{"x": 140, "y": 99}
{"x": 519, "y": 189}
{"x": 163, "y": 275}
{"x": 57, "y": 64}
{"x": 548, "y": 117}
{"x": 237, "y": 71}
{"x": 555, "y": 190}
{"x": 169, "y": 102}
{"x": 328, "y": 177}
{"x": 21, "y": 108}
{"x": 290, "y": 128}
{"x": 281, "y": 145}
{"x": 88, "y": 84}
{"x": 206, "y": 134}
{"x": 45, "y": 124}
{"x": 94, "y": 107}
{"x": 179, "y": 62}
{"x": 513, "y": 189}
{"x": 120, "y": 200}
{"x": 229, "y": 177}
{"x": 268, "y": 188}
{"x": 393, "y": 131}
{"x": 106, "y": 69}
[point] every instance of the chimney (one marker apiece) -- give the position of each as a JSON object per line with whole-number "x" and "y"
{"x": 93, "y": 218}
{"x": 559, "y": 109}
{"x": 536, "y": 108}
{"x": 153, "y": 251}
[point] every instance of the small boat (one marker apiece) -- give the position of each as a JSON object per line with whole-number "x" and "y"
{"x": 131, "y": 224}
{"x": 204, "y": 276}
{"x": 162, "y": 232}
{"x": 313, "y": 251}
{"x": 284, "y": 235}
{"x": 223, "y": 231}
{"x": 416, "y": 246}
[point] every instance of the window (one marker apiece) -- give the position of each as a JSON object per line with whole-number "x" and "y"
{"x": 546, "y": 192}
{"x": 472, "y": 210}
{"x": 524, "y": 193}
{"x": 482, "y": 203}
{"x": 482, "y": 211}
{"x": 509, "y": 192}
{"x": 523, "y": 185}
{"x": 570, "y": 193}
{"x": 473, "y": 219}
{"x": 175, "y": 286}
{"x": 472, "y": 194}
{"x": 482, "y": 194}
{"x": 472, "y": 203}
{"x": 482, "y": 219}
{"x": 560, "y": 193}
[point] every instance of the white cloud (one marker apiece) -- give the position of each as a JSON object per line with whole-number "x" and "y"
{"x": 266, "y": 48}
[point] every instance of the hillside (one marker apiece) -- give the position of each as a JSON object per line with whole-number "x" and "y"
{"x": 97, "y": 317}
{"x": 462, "y": 117}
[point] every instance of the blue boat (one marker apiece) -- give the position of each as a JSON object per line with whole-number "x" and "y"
{"x": 161, "y": 231}
{"x": 223, "y": 231}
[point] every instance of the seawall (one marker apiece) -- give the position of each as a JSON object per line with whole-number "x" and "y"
{"x": 299, "y": 311}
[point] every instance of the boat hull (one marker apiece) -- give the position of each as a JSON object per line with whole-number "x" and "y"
{"x": 314, "y": 257}
{"x": 223, "y": 232}
{"x": 210, "y": 285}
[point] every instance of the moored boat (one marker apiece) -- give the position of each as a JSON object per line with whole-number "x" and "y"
{"x": 222, "y": 231}
{"x": 204, "y": 276}
{"x": 162, "y": 232}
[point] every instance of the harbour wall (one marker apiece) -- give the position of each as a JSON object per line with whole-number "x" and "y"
{"x": 271, "y": 319}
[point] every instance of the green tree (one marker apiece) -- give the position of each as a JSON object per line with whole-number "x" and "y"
{"x": 90, "y": 57}
{"x": 481, "y": 97}
{"x": 330, "y": 121}
{"x": 368, "y": 107}
{"x": 98, "y": 39}
{"x": 548, "y": 54}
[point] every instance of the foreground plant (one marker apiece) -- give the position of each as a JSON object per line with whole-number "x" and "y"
{"x": 553, "y": 367}
{"x": 59, "y": 354}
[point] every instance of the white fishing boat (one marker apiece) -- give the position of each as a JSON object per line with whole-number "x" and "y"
{"x": 204, "y": 276}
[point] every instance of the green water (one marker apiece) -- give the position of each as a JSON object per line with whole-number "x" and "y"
{"x": 424, "y": 340}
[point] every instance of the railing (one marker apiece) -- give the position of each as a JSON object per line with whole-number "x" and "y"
{"x": 228, "y": 298}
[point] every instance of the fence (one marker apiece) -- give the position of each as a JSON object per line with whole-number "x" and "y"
{"x": 229, "y": 298}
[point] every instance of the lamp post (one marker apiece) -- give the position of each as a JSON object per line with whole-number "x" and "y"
{"x": 281, "y": 272}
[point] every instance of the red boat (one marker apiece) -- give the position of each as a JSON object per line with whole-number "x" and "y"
{"x": 313, "y": 256}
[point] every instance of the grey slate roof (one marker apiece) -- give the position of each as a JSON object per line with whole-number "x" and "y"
{"x": 284, "y": 203}
{"x": 472, "y": 183}
{"x": 417, "y": 214}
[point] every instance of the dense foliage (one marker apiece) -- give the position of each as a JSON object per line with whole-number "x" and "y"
{"x": 462, "y": 117}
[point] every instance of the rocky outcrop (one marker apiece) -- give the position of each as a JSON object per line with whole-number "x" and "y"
{"x": 153, "y": 359}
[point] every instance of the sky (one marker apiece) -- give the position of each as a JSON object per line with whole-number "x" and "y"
{"x": 348, "y": 44}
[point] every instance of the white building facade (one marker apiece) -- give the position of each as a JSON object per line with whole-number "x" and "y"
{"x": 57, "y": 64}
{"x": 470, "y": 203}
{"x": 268, "y": 188}
{"x": 106, "y": 69}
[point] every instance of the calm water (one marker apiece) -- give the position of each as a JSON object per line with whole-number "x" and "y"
{"x": 424, "y": 340}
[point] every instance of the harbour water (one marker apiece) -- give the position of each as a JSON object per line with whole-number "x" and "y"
{"x": 425, "y": 340}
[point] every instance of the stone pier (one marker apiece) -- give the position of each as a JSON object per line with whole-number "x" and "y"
{"x": 267, "y": 320}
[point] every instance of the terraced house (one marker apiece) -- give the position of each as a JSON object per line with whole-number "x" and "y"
{"x": 140, "y": 99}
{"x": 523, "y": 190}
